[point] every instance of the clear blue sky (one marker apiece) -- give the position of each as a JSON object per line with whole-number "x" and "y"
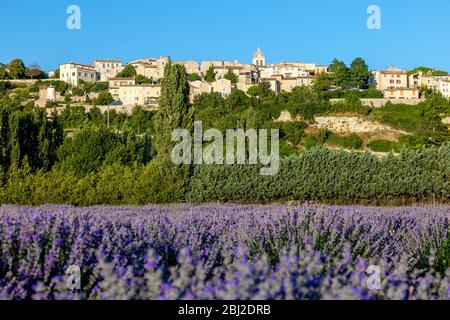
{"x": 413, "y": 32}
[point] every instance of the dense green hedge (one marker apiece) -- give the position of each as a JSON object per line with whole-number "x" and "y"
{"x": 332, "y": 176}
{"x": 318, "y": 174}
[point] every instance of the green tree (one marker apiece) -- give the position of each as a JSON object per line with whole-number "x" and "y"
{"x": 193, "y": 77}
{"x": 56, "y": 74}
{"x": 432, "y": 130}
{"x": 104, "y": 99}
{"x": 323, "y": 82}
{"x": 17, "y": 69}
{"x": 28, "y": 133}
{"x": 174, "y": 113}
{"x": 97, "y": 87}
{"x": 34, "y": 71}
{"x": 128, "y": 72}
{"x": 89, "y": 148}
{"x": 262, "y": 91}
{"x": 140, "y": 79}
{"x": 4, "y": 73}
{"x": 359, "y": 73}
{"x": 265, "y": 90}
{"x": 253, "y": 91}
{"x": 340, "y": 72}
{"x": 230, "y": 75}
{"x": 210, "y": 75}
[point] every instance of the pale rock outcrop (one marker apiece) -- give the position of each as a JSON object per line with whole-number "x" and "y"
{"x": 351, "y": 124}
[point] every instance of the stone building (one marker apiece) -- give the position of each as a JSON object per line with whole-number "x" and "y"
{"x": 107, "y": 69}
{"x": 73, "y": 72}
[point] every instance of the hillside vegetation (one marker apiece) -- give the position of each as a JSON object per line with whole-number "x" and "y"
{"x": 84, "y": 158}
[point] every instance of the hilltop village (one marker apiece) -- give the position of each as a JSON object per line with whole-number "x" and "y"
{"x": 138, "y": 82}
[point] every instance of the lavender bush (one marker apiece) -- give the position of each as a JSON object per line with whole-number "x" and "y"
{"x": 224, "y": 252}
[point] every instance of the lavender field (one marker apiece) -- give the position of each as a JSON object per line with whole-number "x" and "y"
{"x": 224, "y": 252}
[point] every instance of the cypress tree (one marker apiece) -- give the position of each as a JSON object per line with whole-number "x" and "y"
{"x": 175, "y": 112}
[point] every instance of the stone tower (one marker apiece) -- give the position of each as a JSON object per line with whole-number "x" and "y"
{"x": 259, "y": 59}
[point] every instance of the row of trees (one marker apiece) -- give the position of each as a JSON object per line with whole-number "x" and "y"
{"x": 28, "y": 135}
{"x": 16, "y": 70}
{"x": 211, "y": 76}
{"x": 319, "y": 175}
{"x": 343, "y": 77}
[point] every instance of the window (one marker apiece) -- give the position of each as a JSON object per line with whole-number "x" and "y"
{"x": 399, "y": 81}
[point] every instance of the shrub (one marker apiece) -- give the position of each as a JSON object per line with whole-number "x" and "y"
{"x": 104, "y": 98}
{"x": 352, "y": 141}
{"x": 384, "y": 146}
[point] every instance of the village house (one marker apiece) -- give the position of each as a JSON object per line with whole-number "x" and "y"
{"x": 391, "y": 78}
{"x": 221, "y": 71}
{"x": 198, "y": 87}
{"x": 444, "y": 87}
{"x": 73, "y": 73}
{"x": 222, "y": 86}
{"x": 116, "y": 83}
{"x": 416, "y": 79}
{"x": 217, "y": 65}
{"x": 401, "y": 93}
{"x": 144, "y": 94}
{"x": 191, "y": 66}
{"x": 287, "y": 84}
{"x": 146, "y": 69}
{"x": 107, "y": 69}
{"x": 151, "y": 68}
{"x": 432, "y": 81}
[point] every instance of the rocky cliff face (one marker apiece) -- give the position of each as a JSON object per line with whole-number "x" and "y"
{"x": 351, "y": 124}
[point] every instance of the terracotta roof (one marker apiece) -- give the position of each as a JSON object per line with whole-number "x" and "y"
{"x": 121, "y": 78}
{"x": 106, "y": 60}
{"x": 399, "y": 89}
{"x": 299, "y": 77}
{"x": 141, "y": 85}
{"x": 87, "y": 66}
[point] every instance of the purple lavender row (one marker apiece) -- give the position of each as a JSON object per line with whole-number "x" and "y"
{"x": 224, "y": 252}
